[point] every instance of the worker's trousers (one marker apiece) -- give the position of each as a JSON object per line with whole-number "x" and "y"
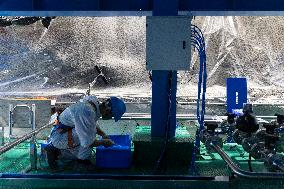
{"x": 60, "y": 141}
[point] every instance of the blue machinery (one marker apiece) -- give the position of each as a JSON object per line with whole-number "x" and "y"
{"x": 163, "y": 91}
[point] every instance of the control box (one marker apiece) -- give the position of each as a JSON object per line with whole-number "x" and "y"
{"x": 168, "y": 42}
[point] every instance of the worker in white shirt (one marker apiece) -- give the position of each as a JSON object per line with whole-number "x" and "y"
{"x": 77, "y": 127}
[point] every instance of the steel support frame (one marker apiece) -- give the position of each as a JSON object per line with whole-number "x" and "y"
{"x": 140, "y": 5}
{"x": 160, "y": 85}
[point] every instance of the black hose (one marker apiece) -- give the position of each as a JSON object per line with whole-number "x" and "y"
{"x": 163, "y": 155}
{"x": 249, "y": 163}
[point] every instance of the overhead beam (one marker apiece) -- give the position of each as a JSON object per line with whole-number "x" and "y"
{"x": 143, "y": 6}
{"x": 138, "y": 13}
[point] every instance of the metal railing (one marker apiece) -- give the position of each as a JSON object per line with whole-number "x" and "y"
{"x": 12, "y": 108}
{"x": 33, "y": 147}
{"x": 10, "y": 145}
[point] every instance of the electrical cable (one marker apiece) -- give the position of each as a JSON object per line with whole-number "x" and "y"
{"x": 198, "y": 43}
{"x": 162, "y": 158}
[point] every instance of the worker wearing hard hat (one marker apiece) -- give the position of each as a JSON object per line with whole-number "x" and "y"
{"x": 75, "y": 134}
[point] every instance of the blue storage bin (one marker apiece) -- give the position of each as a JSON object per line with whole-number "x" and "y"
{"x": 116, "y": 156}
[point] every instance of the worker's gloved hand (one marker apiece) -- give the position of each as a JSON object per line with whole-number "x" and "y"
{"x": 105, "y": 137}
{"x": 107, "y": 142}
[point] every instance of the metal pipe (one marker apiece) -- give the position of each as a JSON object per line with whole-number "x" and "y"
{"x": 33, "y": 147}
{"x": 242, "y": 173}
{"x": 280, "y": 167}
{"x": 273, "y": 161}
{"x": 2, "y": 139}
{"x": 33, "y": 117}
{"x": 187, "y": 103}
{"x": 10, "y": 145}
{"x": 188, "y": 117}
{"x": 22, "y": 105}
{"x": 10, "y": 120}
{"x": 108, "y": 176}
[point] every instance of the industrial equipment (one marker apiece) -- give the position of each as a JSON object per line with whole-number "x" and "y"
{"x": 164, "y": 36}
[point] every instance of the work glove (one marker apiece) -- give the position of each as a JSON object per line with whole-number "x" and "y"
{"x": 105, "y": 137}
{"x": 107, "y": 142}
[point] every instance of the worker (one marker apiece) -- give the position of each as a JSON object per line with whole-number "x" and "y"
{"x": 75, "y": 135}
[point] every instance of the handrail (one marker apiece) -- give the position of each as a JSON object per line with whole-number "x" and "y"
{"x": 85, "y": 176}
{"x": 187, "y": 103}
{"x": 189, "y": 117}
{"x": 10, "y": 145}
{"x": 12, "y": 108}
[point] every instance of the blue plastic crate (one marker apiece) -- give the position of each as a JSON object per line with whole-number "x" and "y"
{"x": 116, "y": 156}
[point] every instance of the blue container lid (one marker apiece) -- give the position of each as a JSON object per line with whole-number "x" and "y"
{"x": 114, "y": 147}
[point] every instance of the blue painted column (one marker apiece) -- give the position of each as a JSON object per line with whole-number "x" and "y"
{"x": 164, "y": 84}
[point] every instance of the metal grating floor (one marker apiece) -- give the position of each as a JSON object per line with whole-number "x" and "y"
{"x": 208, "y": 164}
{"x": 17, "y": 160}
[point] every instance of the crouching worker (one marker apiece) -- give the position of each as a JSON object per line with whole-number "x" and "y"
{"x": 75, "y": 134}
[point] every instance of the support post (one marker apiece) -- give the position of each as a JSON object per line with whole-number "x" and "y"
{"x": 10, "y": 120}
{"x": 162, "y": 89}
{"x": 33, "y": 147}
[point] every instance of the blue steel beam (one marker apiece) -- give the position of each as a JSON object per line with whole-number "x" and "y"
{"x": 16, "y": 5}
{"x": 164, "y": 85}
{"x": 139, "y": 5}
